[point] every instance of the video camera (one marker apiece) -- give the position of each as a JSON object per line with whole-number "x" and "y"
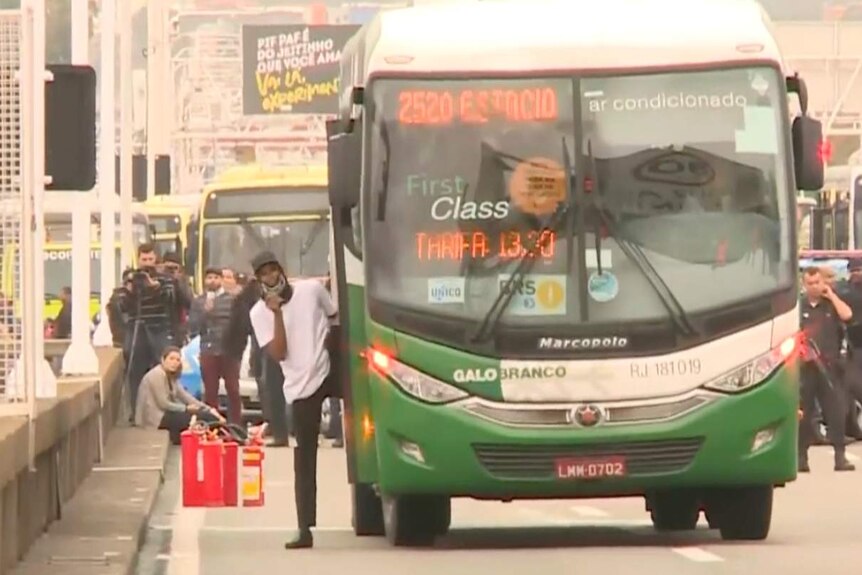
{"x": 139, "y": 278}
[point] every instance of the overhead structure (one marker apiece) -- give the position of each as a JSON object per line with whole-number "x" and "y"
{"x": 829, "y": 55}
{"x": 210, "y": 131}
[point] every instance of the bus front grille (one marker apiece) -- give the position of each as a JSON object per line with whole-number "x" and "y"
{"x": 528, "y": 462}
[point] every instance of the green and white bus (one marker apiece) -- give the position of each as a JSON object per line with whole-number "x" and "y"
{"x": 565, "y": 251}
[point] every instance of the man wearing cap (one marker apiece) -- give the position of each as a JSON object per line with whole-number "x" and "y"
{"x": 209, "y": 318}
{"x": 851, "y": 291}
{"x": 291, "y": 324}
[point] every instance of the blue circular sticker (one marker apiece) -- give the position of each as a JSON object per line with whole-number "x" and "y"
{"x": 603, "y": 287}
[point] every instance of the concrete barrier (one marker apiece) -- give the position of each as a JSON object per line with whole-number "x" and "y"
{"x": 67, "y": 446}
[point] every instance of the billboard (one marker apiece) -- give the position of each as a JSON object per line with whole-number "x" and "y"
{"x": 292, "y": 69}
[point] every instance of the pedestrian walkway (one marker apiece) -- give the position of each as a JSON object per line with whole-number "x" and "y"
{"x": 101, "y": 529}
{"x": 68, "y": 430}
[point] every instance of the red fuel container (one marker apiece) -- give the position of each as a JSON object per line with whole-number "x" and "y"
{"x": 230, "y": 474}
{"x": 192, "y": 469}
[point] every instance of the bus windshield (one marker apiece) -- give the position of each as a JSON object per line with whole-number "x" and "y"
{"x": 804, "y": 224}
{"x": 166, "y": 224}
{"x": 689, "y": 168}
{"x": 302, "y": 246}
{"x": 58, "y": 270}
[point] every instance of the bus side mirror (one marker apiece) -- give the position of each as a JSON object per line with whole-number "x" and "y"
{"x": 796, "y": 85}
{"x": 344, "y": 163}
{"x": 807, "y": 140}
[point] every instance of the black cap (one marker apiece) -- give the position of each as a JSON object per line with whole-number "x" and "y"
{"x": 214, "y": 271}
{"x": 171, "y": 257}
{"x": 854, "y": 264}
{"x": 262, "y": 259}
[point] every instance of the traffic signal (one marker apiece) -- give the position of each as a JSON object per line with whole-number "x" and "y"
{"x": 139, "y": 176}
{"x": 70, "y": 127}
{"x": 824, "y": 152}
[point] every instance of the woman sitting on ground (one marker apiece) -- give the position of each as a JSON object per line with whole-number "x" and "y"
{"x": 163, "y": 403}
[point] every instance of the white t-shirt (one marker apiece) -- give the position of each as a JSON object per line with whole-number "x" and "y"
{"x": 306, "y": 323}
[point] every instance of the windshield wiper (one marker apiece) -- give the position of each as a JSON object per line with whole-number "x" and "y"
{"x": 525, "y": 264}
{"x": 312, "y": 235}
{"x": 383, "y": 193}
{"x": 633, "y": 252}
{"x": 253, "y": 234}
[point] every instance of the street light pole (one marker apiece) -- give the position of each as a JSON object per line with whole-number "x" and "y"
{"x": 46, "y": 382}
{"x": 153, "y": 92}
{"x": 107, "y": 150}
{"x": 80, "y": 357}
{"x": 127, "y": 104}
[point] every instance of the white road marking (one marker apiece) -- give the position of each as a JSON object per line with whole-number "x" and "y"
{"x": 585, "y": 511}
{"x": 697, "y": 554}
{"x": 185, "y": 544}
{"x": 852, "y": 457}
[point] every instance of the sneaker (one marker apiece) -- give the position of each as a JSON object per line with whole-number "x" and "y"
{"x": 303, "y": 540}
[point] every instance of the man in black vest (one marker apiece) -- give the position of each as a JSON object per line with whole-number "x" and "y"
{"x": 822, "y": 315}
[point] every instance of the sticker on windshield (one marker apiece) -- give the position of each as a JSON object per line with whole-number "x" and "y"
{"x": 446, "y": 290}
{"x": 760, "y": 135}
{"x": 538, "y": 186}
{"x": 603, "y": 287}
{"x": 605, "y": 257}
{"x": 536, "y": 294}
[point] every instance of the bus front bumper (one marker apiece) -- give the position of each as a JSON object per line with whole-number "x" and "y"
{"x": 745, "y": 439}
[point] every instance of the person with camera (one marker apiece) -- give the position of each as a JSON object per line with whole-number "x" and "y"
{"x": 172, "y": 270}
{"x": 822, "y": 318}
{"x": 209, "y": 318}
{"x": 291, "y": 324}
{"x": 148, "y": 301}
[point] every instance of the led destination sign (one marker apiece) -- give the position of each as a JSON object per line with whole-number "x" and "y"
{"x": 441, "y": 107}
{"x": 455, "y": 246}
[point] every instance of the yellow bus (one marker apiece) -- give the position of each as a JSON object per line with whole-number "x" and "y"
{"x": 252, "y": 208}
{"x": 58, "y": 274}
{"x": 170, "y": 218}
{"x": 58, "y": 250}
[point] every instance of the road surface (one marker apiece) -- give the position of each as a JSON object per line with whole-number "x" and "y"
{"x": 817, "y": 528}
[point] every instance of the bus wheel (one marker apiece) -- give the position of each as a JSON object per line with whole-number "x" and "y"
{"x": 674, "y": 510}
{"x": 711, "y": 518}
{"x": 367, "y": 511}
{"x": 746, "y": 513}
{"x": 410, "y": 519}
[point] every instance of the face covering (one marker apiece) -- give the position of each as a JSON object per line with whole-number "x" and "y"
{"x": 282, "y": 288}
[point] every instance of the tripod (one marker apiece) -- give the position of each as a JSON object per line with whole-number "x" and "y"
{"x": 131, "y": 404}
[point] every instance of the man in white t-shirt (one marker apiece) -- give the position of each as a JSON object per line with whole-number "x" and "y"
{"x": 291, "y": 324}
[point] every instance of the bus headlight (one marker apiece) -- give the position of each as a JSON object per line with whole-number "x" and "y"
{"x": 415, "y": 383}
{"x": 755, "y": 371}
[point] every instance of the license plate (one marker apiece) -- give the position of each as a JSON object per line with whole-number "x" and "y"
{"x": 591, "y": 467}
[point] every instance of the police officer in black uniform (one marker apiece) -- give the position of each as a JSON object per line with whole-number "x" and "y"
{"x": 851, "y": 292}
{"x": 822, "y": 315}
